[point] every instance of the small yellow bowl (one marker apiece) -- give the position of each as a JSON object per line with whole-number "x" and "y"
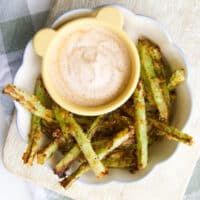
{"x": 109, "y": 18}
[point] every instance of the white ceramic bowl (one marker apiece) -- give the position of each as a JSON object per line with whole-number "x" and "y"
{"x": 135, "y": 25}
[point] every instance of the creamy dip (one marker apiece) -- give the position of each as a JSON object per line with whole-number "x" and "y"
{"x": 91, "y": 67}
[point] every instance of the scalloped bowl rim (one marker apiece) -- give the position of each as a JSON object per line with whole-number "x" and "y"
{"x": 85, "y": 11}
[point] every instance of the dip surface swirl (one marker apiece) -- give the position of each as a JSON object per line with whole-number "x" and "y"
{"x": 91, "y": 66}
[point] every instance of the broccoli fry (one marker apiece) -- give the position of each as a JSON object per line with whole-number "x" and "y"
{"x": 35, "y": 133}
{"x": 147, "y": 66}
{"x": 149, "y": 95}
{"x": 121, "y": 137}
{"x": 141, "y": 126}
{"x": 30, "y": 102}
{"x": 155, "y": 53}
{"x": 51, "y": 148}
{"x": 177, "y": 77}
{"x": 70, "y": 156}
{"x": 171, "y": 132}
{"x": 120, "y": 159}
{"x": 83, "y": 142}
{"x": 33, "y": 141}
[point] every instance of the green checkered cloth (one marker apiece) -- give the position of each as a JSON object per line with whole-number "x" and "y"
{"x": 19, "y": 20}
{"x": 17, "y": 26}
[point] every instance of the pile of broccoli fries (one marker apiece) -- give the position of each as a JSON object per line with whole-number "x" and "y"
{"x": 119, "y": 139}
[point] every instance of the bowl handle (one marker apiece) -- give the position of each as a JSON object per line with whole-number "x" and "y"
{"x": 42, "y": 39}
{"x": 111, "y": 16}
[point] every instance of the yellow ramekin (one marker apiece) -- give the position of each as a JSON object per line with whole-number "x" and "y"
{"x": 109, "y": 18}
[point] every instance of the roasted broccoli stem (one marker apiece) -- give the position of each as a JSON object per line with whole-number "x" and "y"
{"x": 35, "y": 133}
{"x": 121, "y": 137}
{"x": 121, "y": 159}
{"x": 33, "y": 141}
{"x": 156, "y": 55}
{"x": 30, "y": 102}
{"x": 153, "y": 81}
{"x": 172, "y": 132}
{"x": 176, "y": 78}
{"x": 83, "y": 142}
{"x": 52, "y": 147}
{"x": 75, "y": 151}
{"x": 141, "y": 127}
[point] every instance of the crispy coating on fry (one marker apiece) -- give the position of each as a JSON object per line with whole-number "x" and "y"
{"x": 30, "y": 102}
{"x": 34, "y": 139}
{"x": 83, "y": 142}
{"x": 152, "y": 79}
{"x": 116, "y": 142}
{"x": 176, "y": 78}
{"x": 35, "y": 132}
{"x": 75, "y": 151}
{"x": 141, "y": 127}
{"x": 172, "y": 132}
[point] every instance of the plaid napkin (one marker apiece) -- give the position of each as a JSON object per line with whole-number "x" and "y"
{"x": 17, "y": 26}
{"x": 19, "y": 20}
